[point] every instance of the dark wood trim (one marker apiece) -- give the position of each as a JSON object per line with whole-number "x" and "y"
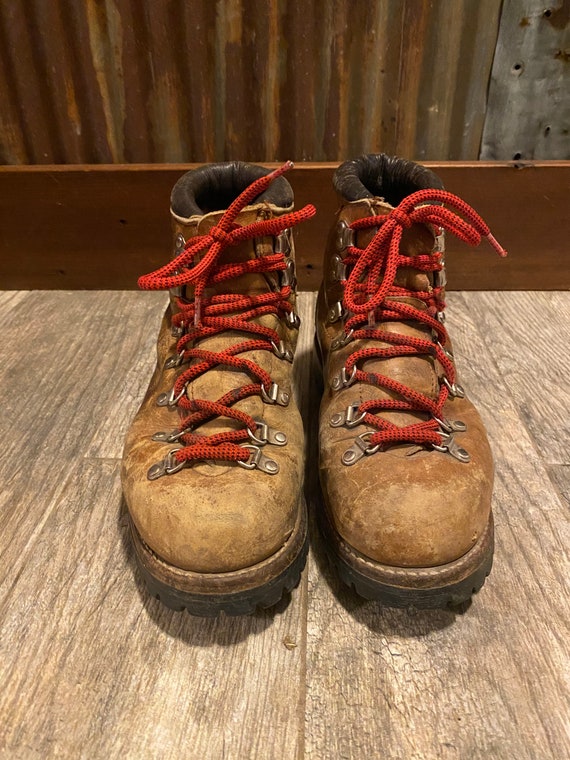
{"x": 100, "y": 226}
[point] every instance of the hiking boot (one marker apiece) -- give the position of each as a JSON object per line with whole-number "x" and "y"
{"x": 213, "y": 463}
{"x": 405, "y": 465}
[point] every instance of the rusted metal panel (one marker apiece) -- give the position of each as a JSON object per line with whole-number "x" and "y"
{"x": 528, "y": 113}
{"x": 99, "y": 81}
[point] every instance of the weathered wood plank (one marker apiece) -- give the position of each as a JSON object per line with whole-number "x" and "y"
{"x": 530, "y": 67}
{"x": 102, "y": 226}
{"x": 156, "y": 683}
{"x": 8, "y": 302}
{"x": 528, "y": 338}
{"x": 131, "y": 373}
{"x": 64, "y": 364}
{"x": 492, "y": 682}
{"x": 104, "y": 671}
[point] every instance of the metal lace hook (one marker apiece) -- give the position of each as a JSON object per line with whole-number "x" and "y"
{"x": 257, "y": 461}
{"x": 168, "y": 466}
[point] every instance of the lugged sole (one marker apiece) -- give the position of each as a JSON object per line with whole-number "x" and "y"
{"x": 423, "y": 587}
{"x": 235, "y": 593}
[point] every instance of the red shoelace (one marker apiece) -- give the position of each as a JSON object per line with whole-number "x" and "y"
{"x": 369, "y": 291}
{"x": 207, "y": 316}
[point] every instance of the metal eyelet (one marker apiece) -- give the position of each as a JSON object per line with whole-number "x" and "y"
{"x": 336, "y": 313}
{"x": 165, "y": 437}
{"x": 179, "y": 243}
{"x": 342, "y": 340}
{"x": 454, "y": 389}
{"x": 169, "y": 399}
{"x": 264, "y": 434}
{"x": 349, "y": 418}
{"x": 177, "y": 330}
{"x": 439, "y": 241}
{"x": 440, "y": 279}
{"x": 175, "y": 435}
{"x": 342, "y": 380}
{"x": 174, "y": 361}
{"x": 451, "y": 426}
{"x": 440, "y": 316}
{"x": 344, "y": 236}
{"x": 287, "y": 276}
{"x": 292, "y": 320}
{"x": 445, "y": 351}
{"x": 282, "y": 242}
{"x": 274, "y": 395}
{"x": 281, "y": 351}
{"x": 168, "y": 466}
{"x": 338, "y": 268}
{"x": 450, "y": 445}
{"x": 257, "y": 461}
{"x": 359, "y": 449}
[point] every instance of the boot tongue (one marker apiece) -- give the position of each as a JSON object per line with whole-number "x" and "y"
{"x": 250, "y": 249}
{"x": 416, "y": 240}
{"x": 374, "y": 185}
{"x": 417, "y": 372}
{"x": 218, "y": 381}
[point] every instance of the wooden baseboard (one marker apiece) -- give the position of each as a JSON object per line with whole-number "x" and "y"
{"x": 100, "y": 226}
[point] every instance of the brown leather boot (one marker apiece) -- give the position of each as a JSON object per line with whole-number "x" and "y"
{"x": 405, "y": 464}
{"x": 213, "y": 463}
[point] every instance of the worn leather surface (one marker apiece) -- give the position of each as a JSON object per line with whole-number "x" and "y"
{"x": 217, "y": 517}
{"x": 409, "y": 506}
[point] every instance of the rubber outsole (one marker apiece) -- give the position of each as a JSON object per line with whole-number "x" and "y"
{"x": 443, "y": 586}
{"x": 235, "y": 593}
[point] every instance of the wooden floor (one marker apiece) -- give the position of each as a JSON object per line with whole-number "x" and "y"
{"x": 90, "y": 667}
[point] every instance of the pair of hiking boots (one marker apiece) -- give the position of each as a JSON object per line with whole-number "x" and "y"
{"x": 214, "y": 461}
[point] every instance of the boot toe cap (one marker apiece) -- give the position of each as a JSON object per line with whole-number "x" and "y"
{"x": 212, "y": 519}
{"x": 421, "y": 513}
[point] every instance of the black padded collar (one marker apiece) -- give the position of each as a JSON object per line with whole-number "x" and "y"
{"x": 381, "y": 176}
{"x": 214, "y": 186}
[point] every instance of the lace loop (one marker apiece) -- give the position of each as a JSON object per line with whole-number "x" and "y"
{"x": 371, "y": 297}
{"x": 383, "y": 250}
{"x": 205, "y": 317}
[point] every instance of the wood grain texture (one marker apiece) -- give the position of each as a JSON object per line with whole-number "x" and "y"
{"x": 560, "y": 476}
{"x": 490, "y": 683}
{"x": 535, "y": 371}
{"x": 528, "y": 108}
{"x": 100, "y": 227}
{"x": 103, "y": 671}
{"x": 92, "y": 668}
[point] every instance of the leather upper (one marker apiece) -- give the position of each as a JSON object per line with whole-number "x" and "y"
{"x": 408, "y": 506}
{"x": 218, "y": 517}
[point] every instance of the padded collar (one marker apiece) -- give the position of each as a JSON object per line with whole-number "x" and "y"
{"x": 214, "y": 186}
{"x": 381, "y": 176}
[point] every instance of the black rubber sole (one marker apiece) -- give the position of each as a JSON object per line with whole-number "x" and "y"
{"x": 209, "y": 597}
{"x": 445, "y": 586}
{"x": 241, "y": 603}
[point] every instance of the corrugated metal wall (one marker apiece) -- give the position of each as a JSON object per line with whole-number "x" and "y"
{"x": 528, "y": 109}
{"x": 104, "y": 81}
